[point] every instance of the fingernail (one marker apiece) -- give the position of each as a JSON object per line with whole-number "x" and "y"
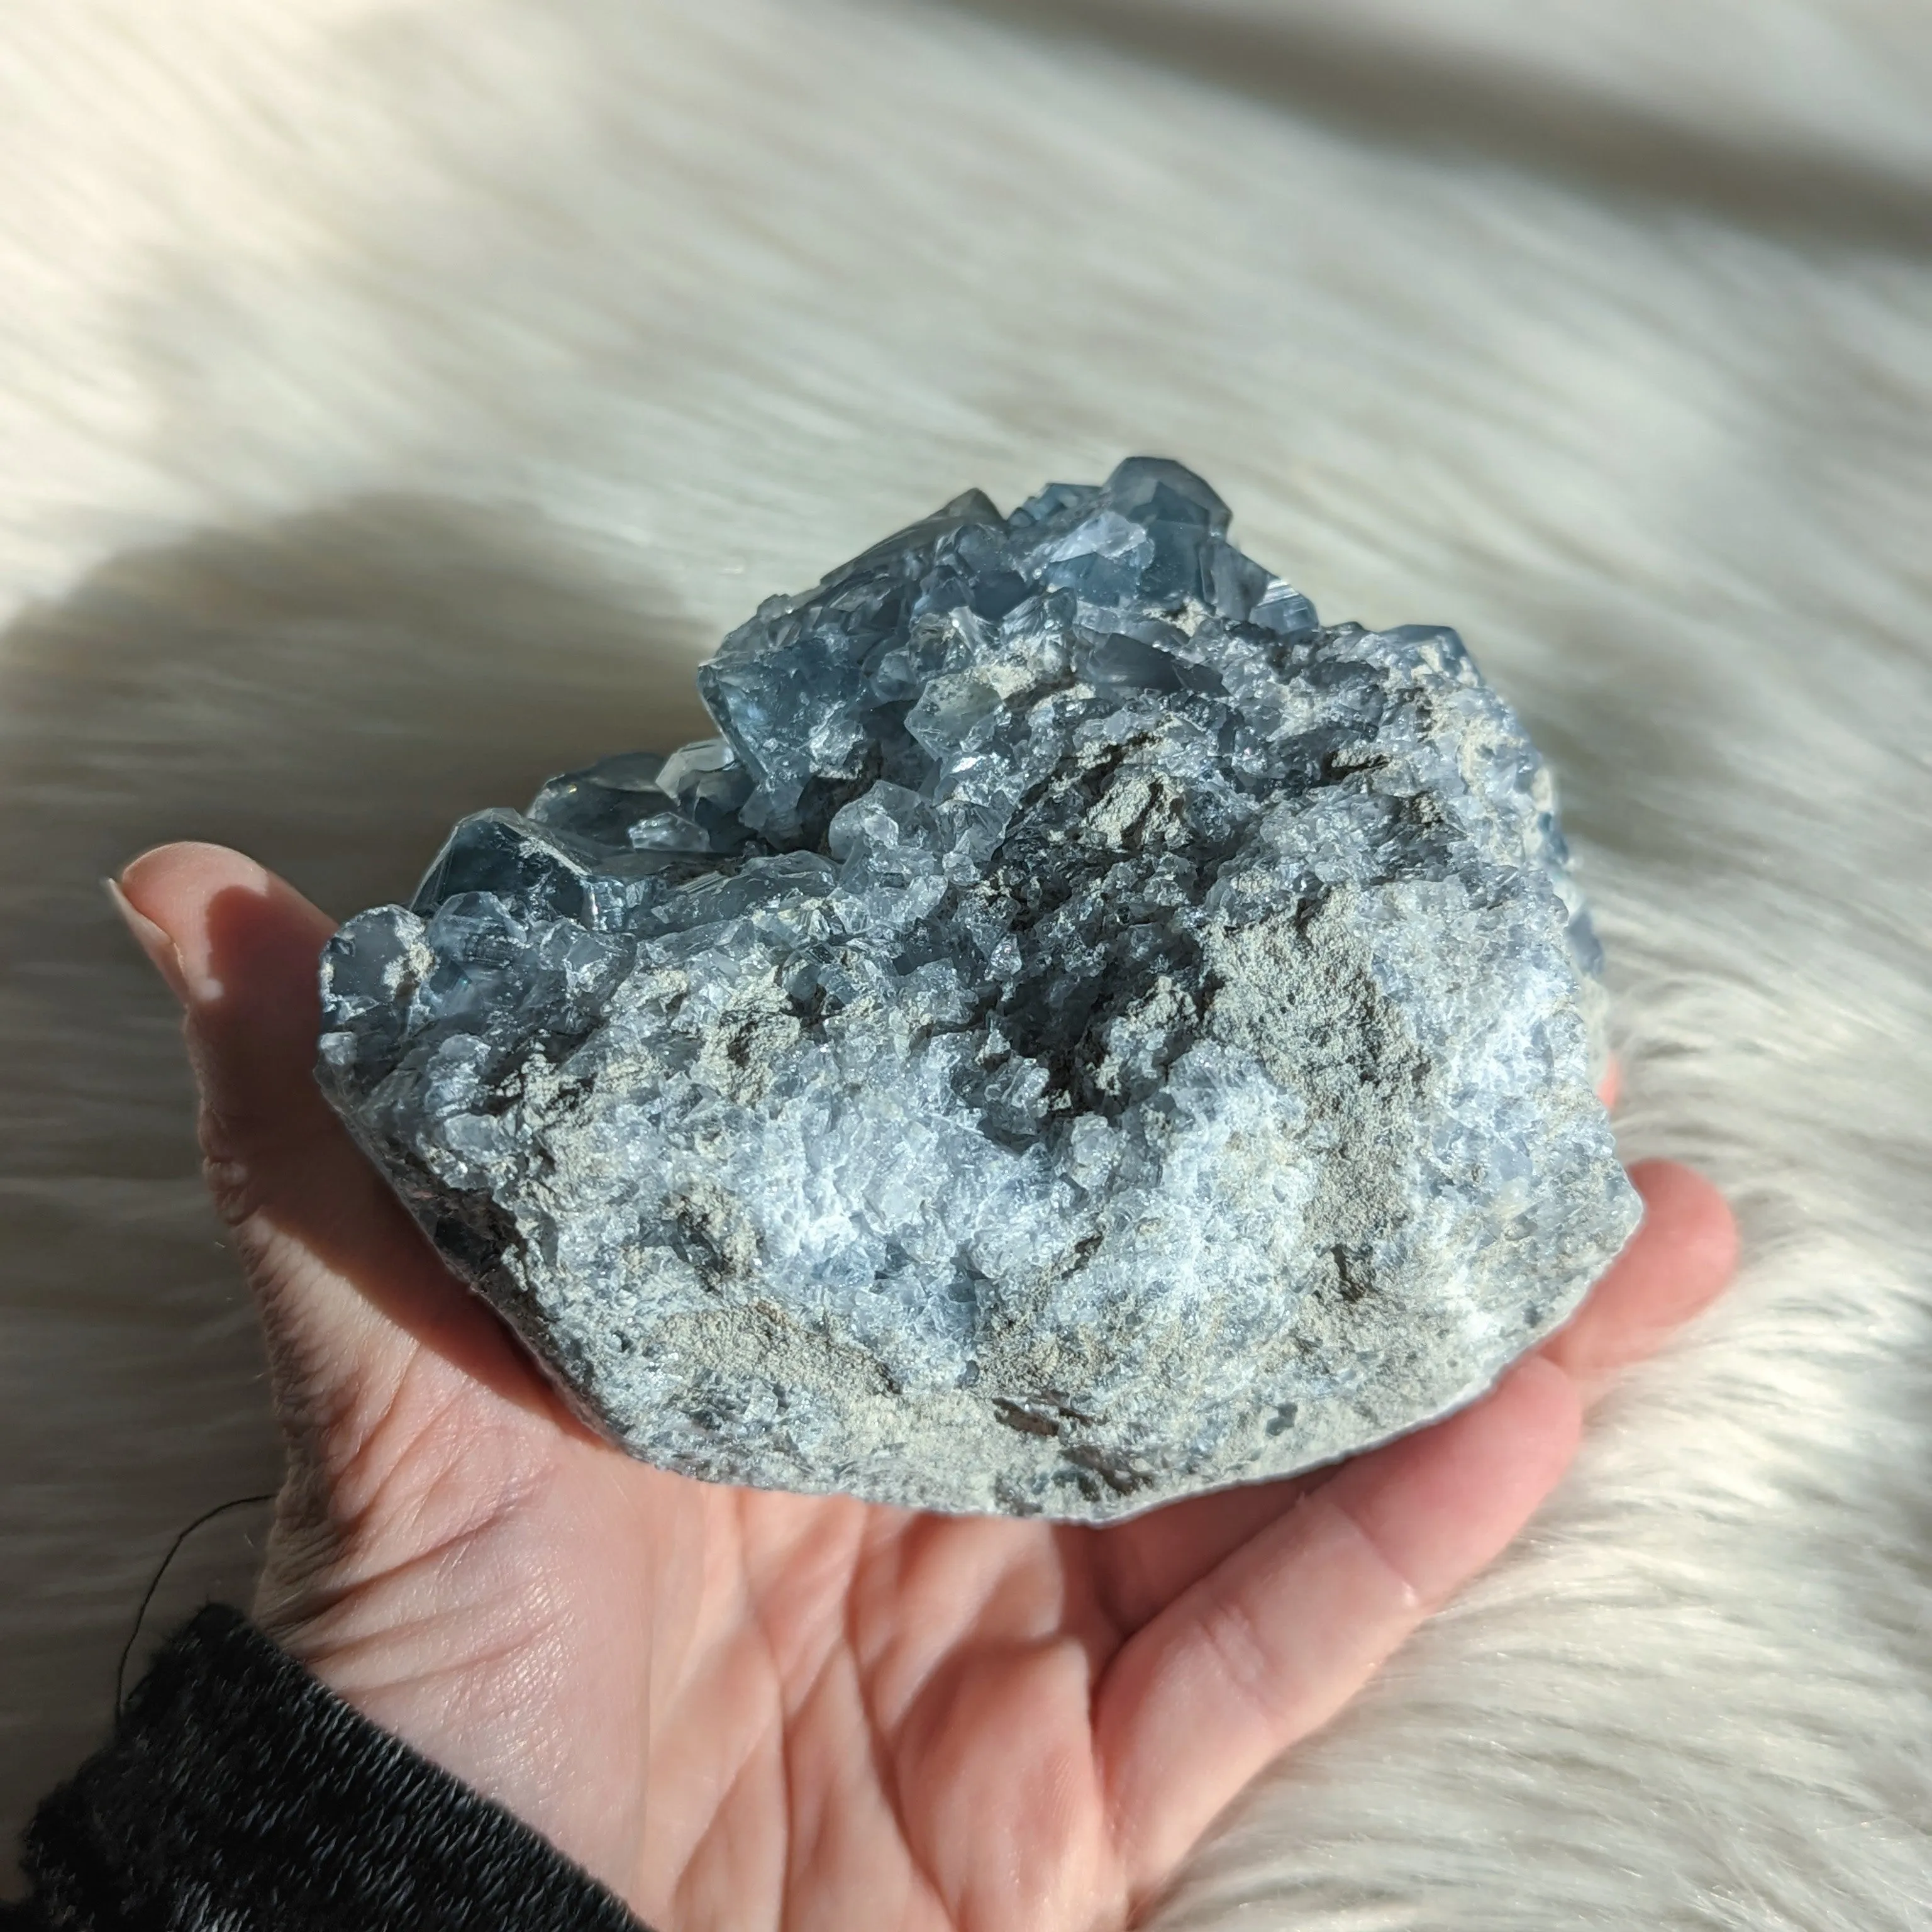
{"x": 163, "y": 954}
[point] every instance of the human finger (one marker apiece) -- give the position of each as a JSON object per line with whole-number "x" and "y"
{"x": 1141, "y": 1565}
{"x": 347, "y": 1285}
{"x": 1275, "y": 1639}
{"x": 1675, "y": 1264}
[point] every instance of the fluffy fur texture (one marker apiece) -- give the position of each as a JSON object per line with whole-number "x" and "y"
{"x": 399, "y": 396}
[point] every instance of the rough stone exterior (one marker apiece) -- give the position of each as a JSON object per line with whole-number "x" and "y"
{"x": 1085, "y": 1033}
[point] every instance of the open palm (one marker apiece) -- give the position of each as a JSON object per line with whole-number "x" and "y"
{"x": 742, "y": 1710}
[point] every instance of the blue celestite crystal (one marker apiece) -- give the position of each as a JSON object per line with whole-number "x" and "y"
{"x": 1084, "y": 1032}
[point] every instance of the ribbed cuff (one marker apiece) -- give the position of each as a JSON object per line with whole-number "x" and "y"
{"x": 240, "y": 1794}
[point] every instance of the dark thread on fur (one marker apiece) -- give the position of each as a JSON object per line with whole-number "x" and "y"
{"x": 154, "y": 1583}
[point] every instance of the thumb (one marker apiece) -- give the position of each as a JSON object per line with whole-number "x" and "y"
{"x": 349, "y": 1289}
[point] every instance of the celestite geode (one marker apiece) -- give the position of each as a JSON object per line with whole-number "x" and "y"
{"x": 1085, "y": 1033}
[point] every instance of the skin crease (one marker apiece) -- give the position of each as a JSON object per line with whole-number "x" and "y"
{"x": 742, "y": 1710}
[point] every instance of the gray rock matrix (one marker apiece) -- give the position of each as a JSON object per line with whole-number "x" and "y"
{"x": 1084, "y": 1033}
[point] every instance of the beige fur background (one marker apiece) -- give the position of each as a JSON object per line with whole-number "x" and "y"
{"x": 398, "y": 396}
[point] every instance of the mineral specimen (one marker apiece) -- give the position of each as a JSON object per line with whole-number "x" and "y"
{"x": 1085, "y": 1032}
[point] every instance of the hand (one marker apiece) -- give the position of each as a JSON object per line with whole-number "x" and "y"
{"x": 742, "y": 1710}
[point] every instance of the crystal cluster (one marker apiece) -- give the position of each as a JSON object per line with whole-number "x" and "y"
{"x": 1085, "y": 1032}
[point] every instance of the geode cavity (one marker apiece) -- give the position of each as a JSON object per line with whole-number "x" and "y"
{"x": 1085, "y": 1032}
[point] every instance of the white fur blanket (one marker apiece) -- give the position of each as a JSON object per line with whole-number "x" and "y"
{"x": 398, "y": 396}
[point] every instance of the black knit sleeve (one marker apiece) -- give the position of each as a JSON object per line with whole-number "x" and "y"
{"x": 240, "y": 1794}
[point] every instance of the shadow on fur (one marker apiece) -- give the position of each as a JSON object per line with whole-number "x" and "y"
{"x": 1360, "y": 81}
{"x": 328, "y": 692}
